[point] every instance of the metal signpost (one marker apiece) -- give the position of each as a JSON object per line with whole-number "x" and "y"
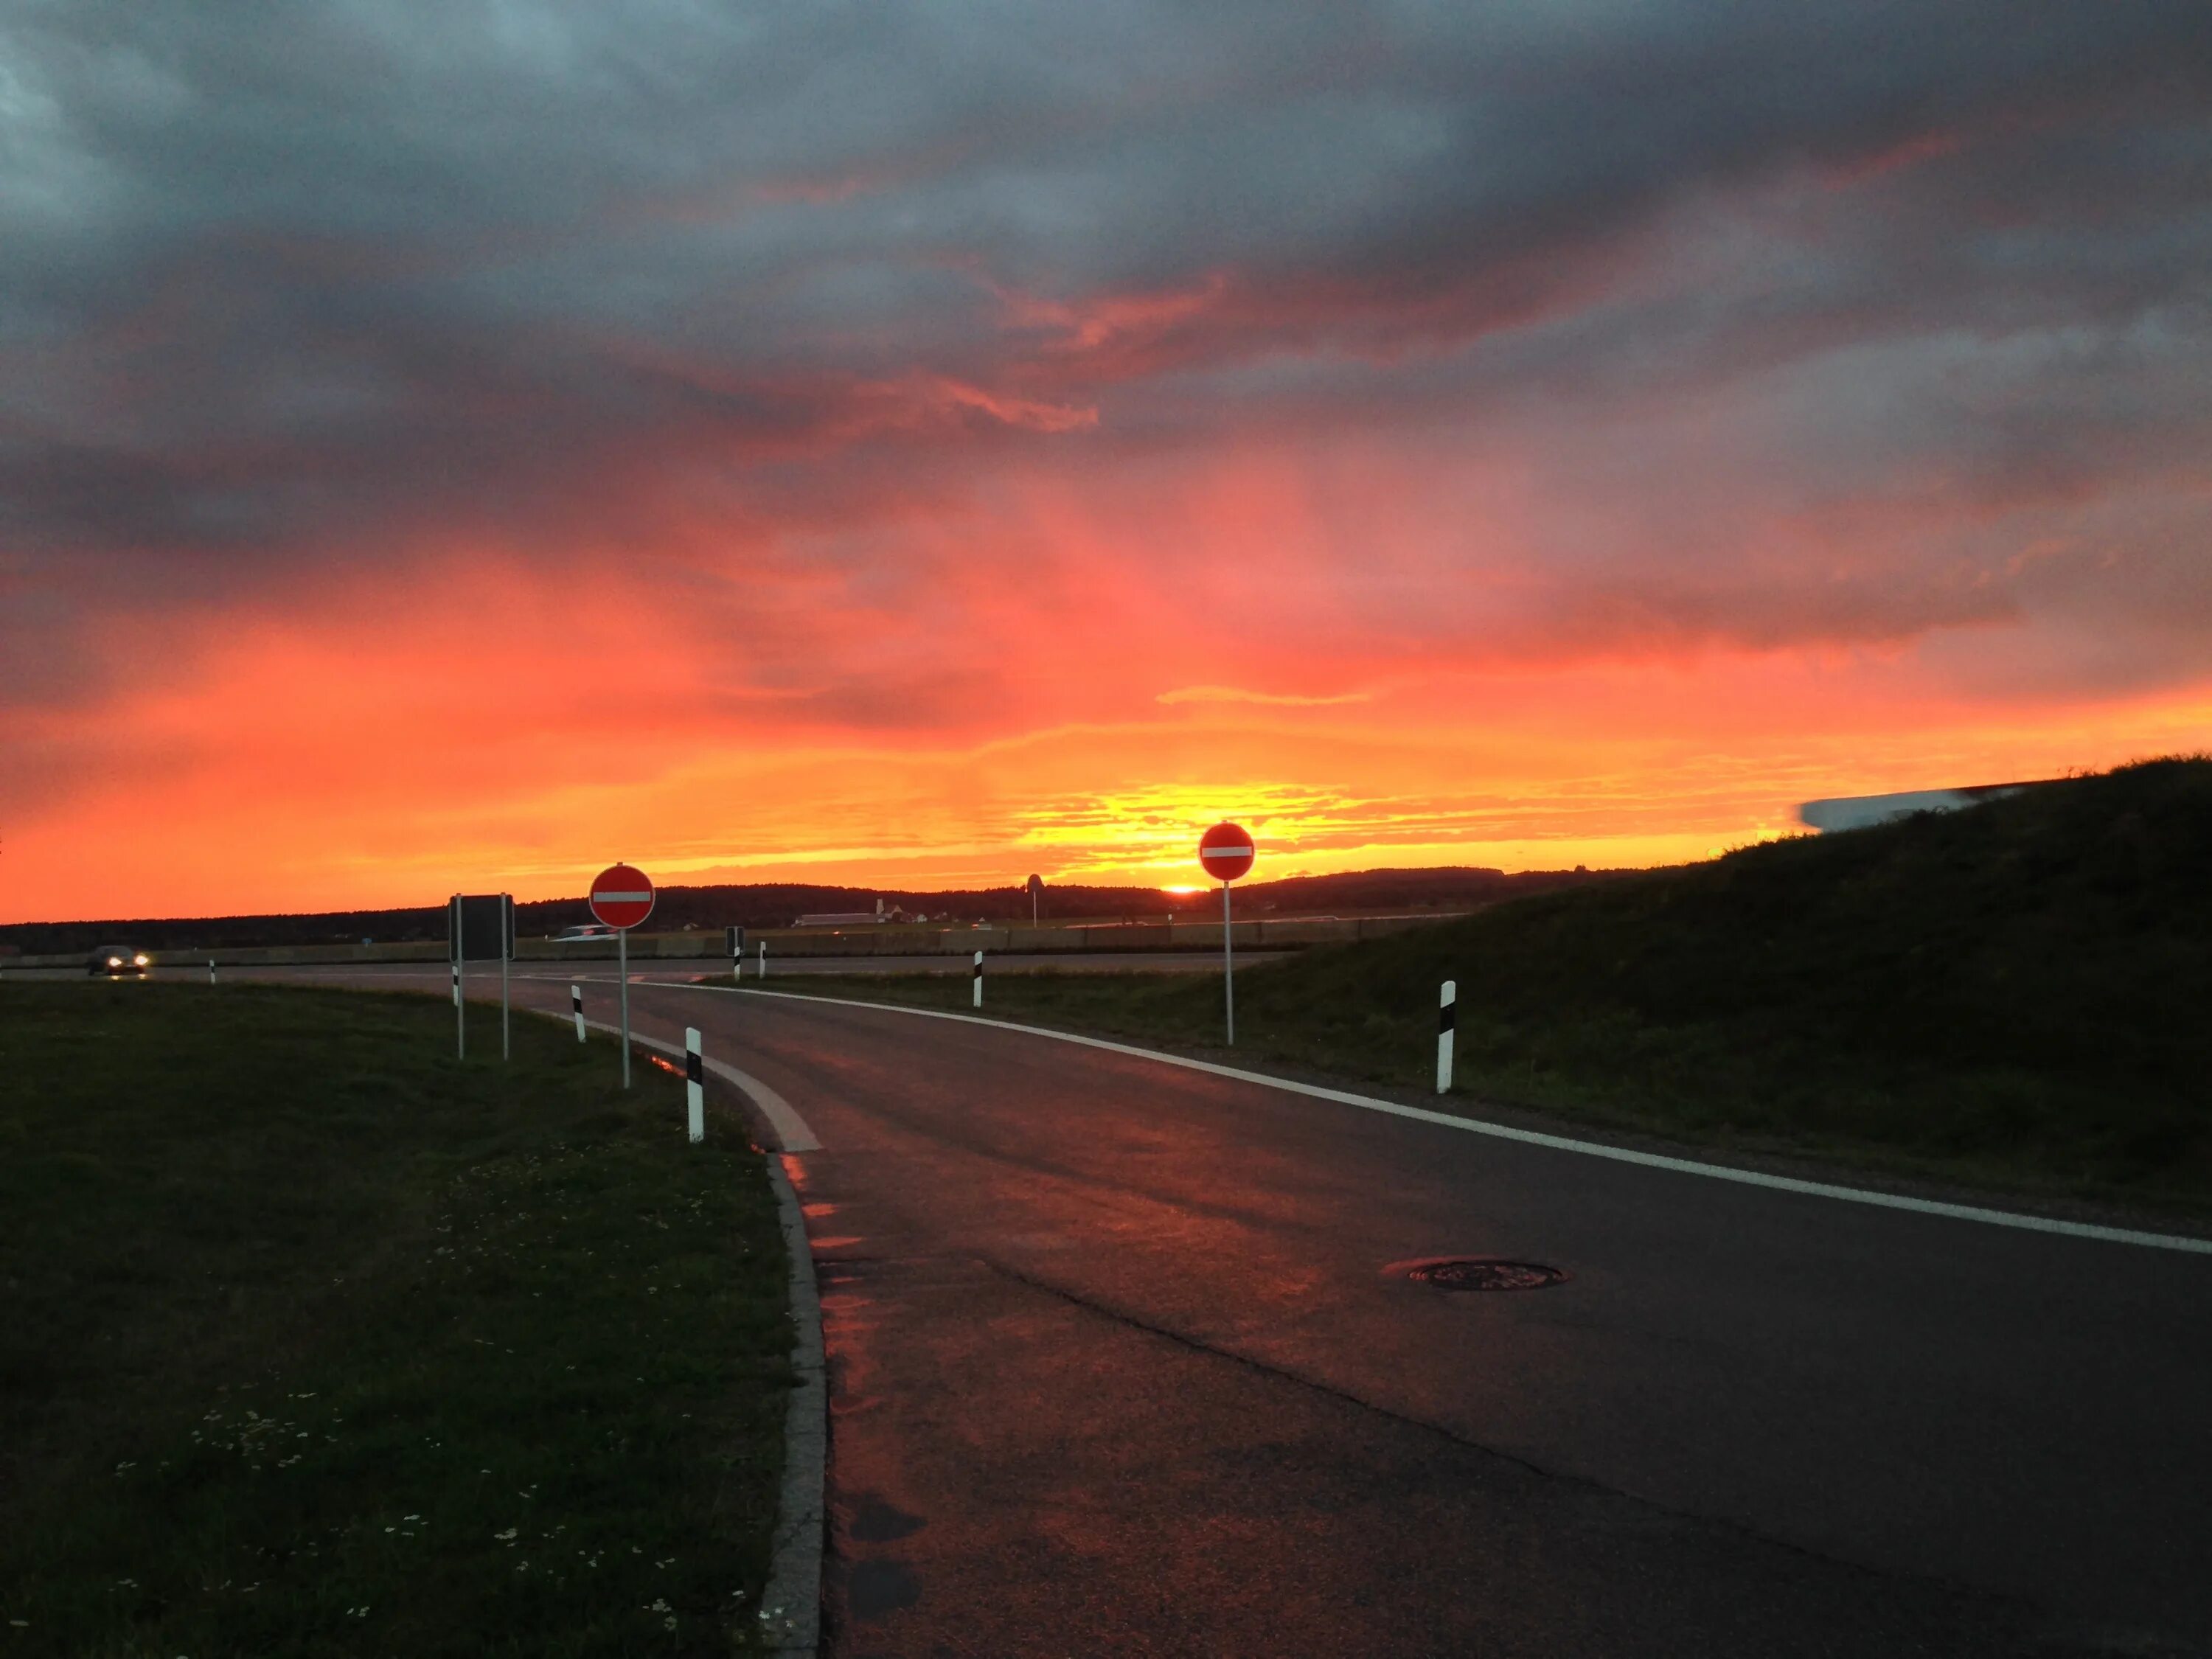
{"x": 622, "y": 898}
{"x": 480, "y": 916}
{"x": 1035, "y": 892}
{"x": 1224, "y": 853}
{"x": 454, "y": 949}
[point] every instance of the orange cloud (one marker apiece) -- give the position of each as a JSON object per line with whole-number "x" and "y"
{"x": 494, "y": 729}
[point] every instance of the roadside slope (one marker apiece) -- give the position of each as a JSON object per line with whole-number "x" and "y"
{"x": 2010, "y": 996}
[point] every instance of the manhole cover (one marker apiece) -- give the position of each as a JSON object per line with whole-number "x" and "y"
{"x": 1483, "y": 1273}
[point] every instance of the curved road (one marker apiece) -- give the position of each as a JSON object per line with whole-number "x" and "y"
{"x": 1119, "y": 1367}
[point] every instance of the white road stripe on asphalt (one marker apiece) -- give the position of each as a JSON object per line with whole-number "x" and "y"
{"x": 782, "y": 1117}
{"x": 1530, "y": 1137}
{"x": 1473, "y": 1126}
{"x": 791, "y": 1129}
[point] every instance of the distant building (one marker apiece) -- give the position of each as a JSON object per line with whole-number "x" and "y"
{"x": 1857, "y": 811}
{"x": 853, "y": 918}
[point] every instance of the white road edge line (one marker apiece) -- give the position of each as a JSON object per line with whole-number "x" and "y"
{"x": 783, "y": 1117}
{"x": 2035, "y": 1223}
{"x": 1530, "y": 1137}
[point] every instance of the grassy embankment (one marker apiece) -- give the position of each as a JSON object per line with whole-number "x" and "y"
{"x": 313, "y": 1341}
{"x": 2013, "y": 996}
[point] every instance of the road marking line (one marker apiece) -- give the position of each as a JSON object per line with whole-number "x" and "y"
{"x": 782, "y": 1117}
{"x": 1529, "y": 1137}
{"x": 1419, "y": 1114}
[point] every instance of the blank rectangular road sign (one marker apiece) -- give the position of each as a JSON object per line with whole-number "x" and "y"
{"x": 485, "y": 929}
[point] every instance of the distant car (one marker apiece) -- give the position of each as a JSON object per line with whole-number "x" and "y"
{"x": 590, "y": 930}
{"x": 117, "y": 960}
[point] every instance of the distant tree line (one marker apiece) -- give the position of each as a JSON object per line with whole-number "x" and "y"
{"x": 776, "y": 904}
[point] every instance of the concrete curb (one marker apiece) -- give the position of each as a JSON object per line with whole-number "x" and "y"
{"x": 791, "y": 1608}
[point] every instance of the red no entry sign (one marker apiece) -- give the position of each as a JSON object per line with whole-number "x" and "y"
{"x": 622, "y": 897}
{"x": 1225, "y": 851}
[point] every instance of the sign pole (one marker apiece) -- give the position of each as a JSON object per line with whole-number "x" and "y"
{"x": 1224, "y": 853}
{"x": 1228, "y": 967}
{"x": 621, "y": 898}
{"x": 506, "y": 949}
{"x": 460, "y": 985}
{"x": 621, "y": 971}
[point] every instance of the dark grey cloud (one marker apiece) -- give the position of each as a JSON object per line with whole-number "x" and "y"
{"x": 281, "y": 286}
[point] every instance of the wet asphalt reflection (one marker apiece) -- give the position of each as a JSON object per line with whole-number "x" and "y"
{"x": 1124, "y": 1360}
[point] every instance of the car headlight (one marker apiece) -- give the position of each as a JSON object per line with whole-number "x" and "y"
{"x": 115, "y": 961}
{"x": 142, "y": 960}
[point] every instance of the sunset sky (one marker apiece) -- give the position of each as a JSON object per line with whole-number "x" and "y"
{"x": 458, "y": 446}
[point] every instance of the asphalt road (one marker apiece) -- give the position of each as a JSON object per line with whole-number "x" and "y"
{"x": 1120, "y": 1366}
{"x": 1198, "y": 962}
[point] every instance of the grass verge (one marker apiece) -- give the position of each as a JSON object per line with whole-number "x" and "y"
{"x": 315, "y": 1340}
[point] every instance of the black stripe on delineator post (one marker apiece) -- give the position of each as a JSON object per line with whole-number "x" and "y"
{"x": 1447, "y": 1011}
{"x": 695, "y": 1083}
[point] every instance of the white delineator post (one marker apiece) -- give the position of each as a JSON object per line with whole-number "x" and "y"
{"x": 763, "y": 973}
{"x": 694, "y": 1083}
{"x": 210, "y": 970}
{"x": 978, "y": 979}
{"x": 1447, "y": 1011}
{"x": 576, "y": 1004}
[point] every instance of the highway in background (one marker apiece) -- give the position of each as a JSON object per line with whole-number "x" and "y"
{"x": 1125, "y": 1361}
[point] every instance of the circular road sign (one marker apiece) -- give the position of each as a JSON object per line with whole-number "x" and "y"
{"x": 622, "y": 897}
{"x": 1225, "y": 851}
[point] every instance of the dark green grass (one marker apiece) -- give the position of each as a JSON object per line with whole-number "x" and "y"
{"x": 313, "y": 1341}
{"x": 2015, "y": 996}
